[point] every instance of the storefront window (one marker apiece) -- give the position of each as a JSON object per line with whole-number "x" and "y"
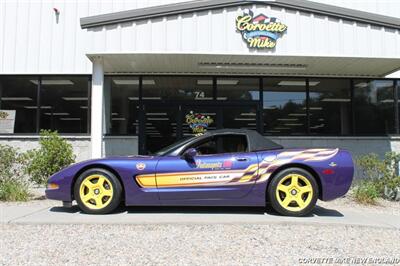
{"x": 284, "y": 102}
{"x": 330, "y": 106}
{"x": 19, "y": 95}
{"x": 64, "y": 104}
{"x": 240, "y": 117}
{"x": 177, "y": 88}
{"x": 373, "y": 107}
{"x": 123, "y": 108}
{"x": 238, "y": 89}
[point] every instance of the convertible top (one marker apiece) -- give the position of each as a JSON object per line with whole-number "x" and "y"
{"x": 256, "y": 141}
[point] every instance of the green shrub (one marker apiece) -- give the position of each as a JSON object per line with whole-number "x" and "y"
{"x": 14, "y": 190}
{"x": 13, "y": 185}
{"x": 382, "y": 175}
{"x": 54, "y": 154}
{"x": 370, "y": 166}
{"x": 391, "y": 178}
{"x": 366, "y": 192}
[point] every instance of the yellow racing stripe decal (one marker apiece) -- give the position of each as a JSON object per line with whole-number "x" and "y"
{"x": 198, "y": 178}
{"x": 254, "y": 172}
{"x": 147, "y": 181}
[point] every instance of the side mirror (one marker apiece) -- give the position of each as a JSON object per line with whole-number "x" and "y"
{"x": 189, "y": 154}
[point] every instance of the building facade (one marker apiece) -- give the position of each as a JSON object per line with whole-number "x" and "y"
{"x": 130, "y": 77}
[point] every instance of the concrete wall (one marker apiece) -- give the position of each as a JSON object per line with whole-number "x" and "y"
{"x": 120, "y": 145}
{"x": 81, "y": 144}
{"x": 112, "y": 146}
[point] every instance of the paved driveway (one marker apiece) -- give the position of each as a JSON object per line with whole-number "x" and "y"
{"x": 49, "y": 212}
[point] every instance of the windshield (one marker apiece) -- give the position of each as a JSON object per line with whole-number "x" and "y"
{"x": 168, "y": 149}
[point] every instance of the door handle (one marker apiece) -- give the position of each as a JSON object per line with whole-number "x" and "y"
{"x": 241, "y": 159}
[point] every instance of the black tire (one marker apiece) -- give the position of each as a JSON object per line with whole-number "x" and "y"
{"x": 113, "y": 200}
{"x": 272, "y": 193}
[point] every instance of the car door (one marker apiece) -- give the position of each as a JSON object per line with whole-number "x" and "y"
{"x": 222, "y": 169}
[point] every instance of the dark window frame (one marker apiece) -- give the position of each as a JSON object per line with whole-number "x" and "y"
{"x": 36, "y": 77}
{"x": 38, "y": 103}
{"x": 347, "y": 82}
{"x": 307, "y": 106}
{"x": 396, "y": 88}
{"x": 140, "y": 107}
{"x": 353, "y": 113}
{"x": 306, "y": 102}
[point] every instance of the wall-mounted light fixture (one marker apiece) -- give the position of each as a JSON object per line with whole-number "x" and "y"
{"x": 57, "y": 13}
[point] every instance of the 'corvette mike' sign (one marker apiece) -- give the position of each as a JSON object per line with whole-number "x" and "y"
{"x": 259, "y": 31}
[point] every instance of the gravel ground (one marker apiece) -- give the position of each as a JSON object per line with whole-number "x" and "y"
{"x": 275, "y": 244}
{"x": 191, "y": 244}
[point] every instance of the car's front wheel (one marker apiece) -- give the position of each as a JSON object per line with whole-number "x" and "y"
{"x": 97, "y": 191}
{"x": 293, "y": 192}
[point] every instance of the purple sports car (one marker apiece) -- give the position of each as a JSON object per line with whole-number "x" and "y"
{"x": 228, "y": 167}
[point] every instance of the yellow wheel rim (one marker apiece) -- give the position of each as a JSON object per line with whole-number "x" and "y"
{"x": 294, "y": 192}
{"x": 96, "y": 191}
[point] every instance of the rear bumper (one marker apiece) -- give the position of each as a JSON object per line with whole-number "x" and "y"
{"x": 337, "y": 186}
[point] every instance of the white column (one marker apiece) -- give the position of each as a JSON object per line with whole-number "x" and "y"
{"x": 97, "y": 121}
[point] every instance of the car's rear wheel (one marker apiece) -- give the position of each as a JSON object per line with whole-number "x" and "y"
{"x": 97, "y": 191}
{"x": 293, "y": 192}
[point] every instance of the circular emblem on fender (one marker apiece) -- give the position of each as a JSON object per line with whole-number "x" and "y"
{"x": 140, "y": 166}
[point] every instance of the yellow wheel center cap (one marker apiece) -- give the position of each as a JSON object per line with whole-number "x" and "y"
{"x": 294, "y": 192}
{"x": 96, "y": 191}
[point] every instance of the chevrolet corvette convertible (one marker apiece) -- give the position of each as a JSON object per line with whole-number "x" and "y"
{"x": 227, "y": 167}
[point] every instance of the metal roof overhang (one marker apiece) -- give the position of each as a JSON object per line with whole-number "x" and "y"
{"x": 238, "y": 64}
{"x": 196, "y": 6}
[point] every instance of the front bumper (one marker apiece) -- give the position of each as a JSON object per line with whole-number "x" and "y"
{"x": 64, "y": 181}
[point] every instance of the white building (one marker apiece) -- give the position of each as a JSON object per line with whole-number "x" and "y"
{"x": 123, "y": 77}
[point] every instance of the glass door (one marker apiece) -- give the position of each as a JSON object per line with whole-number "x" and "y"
{"x": 160, "y": 127}
{"x": 197, "y": 120}
{"x": 163, "y": 125}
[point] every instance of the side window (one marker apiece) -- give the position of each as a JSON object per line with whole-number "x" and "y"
{"x": 222, "y": 144}
{"x": 233, "y": 143}
{"x": 207, "y": 147}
